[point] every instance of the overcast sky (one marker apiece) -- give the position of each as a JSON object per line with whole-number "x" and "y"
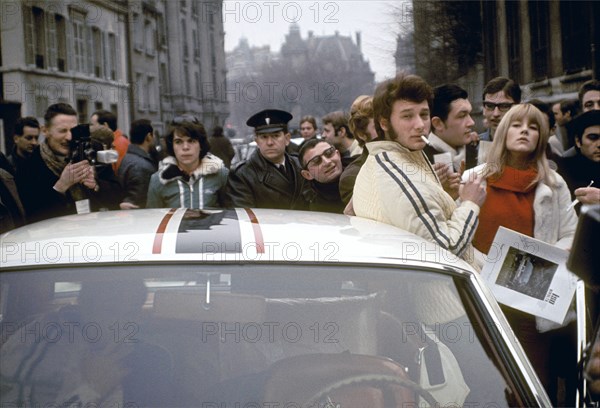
{"x": 266, "y": 22}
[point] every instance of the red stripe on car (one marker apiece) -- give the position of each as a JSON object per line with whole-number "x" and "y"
{"x": 158, "y": 238}
{"x": 260, "y": 244}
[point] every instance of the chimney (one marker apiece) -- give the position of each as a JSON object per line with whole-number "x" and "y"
{"x": 358, "y": 41}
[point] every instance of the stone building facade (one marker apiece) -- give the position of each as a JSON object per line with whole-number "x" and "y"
{"x": 152, "y": 59}
{"x": 548, "y": 47}
{"x": 308, "y": 76}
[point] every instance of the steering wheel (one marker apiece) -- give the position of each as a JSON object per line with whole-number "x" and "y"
{"x": 379, "y": 380}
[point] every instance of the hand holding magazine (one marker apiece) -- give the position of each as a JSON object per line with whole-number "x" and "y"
{"x": 529, "y": 275}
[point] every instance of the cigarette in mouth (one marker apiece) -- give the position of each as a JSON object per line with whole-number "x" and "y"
{"x": 425, "y": 140}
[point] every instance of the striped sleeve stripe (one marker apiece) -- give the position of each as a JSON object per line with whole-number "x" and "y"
{"x": 470, "y": 234}
{"x": 409, "y": 196}
{"x": 463, "y": 235}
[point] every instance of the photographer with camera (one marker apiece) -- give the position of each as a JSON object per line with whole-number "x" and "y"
{"x": 55, "y": 180}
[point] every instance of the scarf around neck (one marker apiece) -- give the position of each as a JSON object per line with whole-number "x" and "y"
{"x": 57, "y": 163}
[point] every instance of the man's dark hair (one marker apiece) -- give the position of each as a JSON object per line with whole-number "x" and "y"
{"x": 107, "y": 117}
{"x": 591, "y": 85}
{"x": 443, "y": 96}
{"x": 217, "y": 131}
{"x": 570, "y": 105}
{"x": 338, "y": 119}
{"x": 193, "y": 130}
{"x": 58, "y": 109}
{"x": 309, "y": 144}
{"x": 28, "y": 121}
{"x": 404, "y": 86}
{"x": 546, "y": 109}
{"x": 502, "y": 84}
{"x": 139, "y": 129}
{"x": 309, "y": 119}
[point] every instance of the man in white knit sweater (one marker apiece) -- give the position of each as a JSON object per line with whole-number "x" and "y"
{"x": 397, "y": 184}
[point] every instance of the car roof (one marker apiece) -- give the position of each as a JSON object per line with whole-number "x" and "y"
{"x": 240, "y": 235}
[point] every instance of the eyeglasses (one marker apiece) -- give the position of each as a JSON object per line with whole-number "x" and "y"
{"x": 502, "y": 107}
{"x": 317, "y": 160}
{"x": 178, "y": 120}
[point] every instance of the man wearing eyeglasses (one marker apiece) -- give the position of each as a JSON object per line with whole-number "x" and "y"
{"x": 499, "y": 95}
{"x": 322, "y": 168}
{"x": 270, "y": 178}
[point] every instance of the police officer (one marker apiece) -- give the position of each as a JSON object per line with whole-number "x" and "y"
{"x": 270, "y": 178}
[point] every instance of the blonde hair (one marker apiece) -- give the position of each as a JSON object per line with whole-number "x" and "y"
{"x": 499, "y": 155}
{"x": 360, "y": 113}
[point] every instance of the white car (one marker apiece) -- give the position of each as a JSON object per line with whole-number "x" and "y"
{"x": 248, "y": 308}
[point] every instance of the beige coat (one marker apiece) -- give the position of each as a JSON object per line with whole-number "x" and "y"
{"x": 399, "y": 187}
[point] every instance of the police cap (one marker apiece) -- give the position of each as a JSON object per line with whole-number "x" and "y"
{"x": 269, "y": 121}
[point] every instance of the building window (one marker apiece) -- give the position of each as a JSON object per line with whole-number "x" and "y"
{"x": 139, "y": 91}
{"x": 82, "y": 110}
{"x": 98, "y": 106}
{"x": 152, "y": 94}
{"x": 513, "y": 26}
{"x": 539, "y": 20}
{"x": 39, "y": 25}
{"x": 61, "y": 43}
{"x": 97, "y": 53}
{"x": 78, "y": 24}
{"x": 112, "y": 46}
{"x": 164, "y": 79}
{"x": 576, "y": 38}
{"x": 196, "y": 44}
{"x": 184, "y": 39}
{"x": 150, "y": 37}
{"x": 160, "y": 28}
{"x": 138, "y": 32}
{"x": 29, "y": 35}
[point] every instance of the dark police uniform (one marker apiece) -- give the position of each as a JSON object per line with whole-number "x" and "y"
{"x": 257, "y": 182}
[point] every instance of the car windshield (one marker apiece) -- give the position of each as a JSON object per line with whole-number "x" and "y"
{"x": 233, "y": 336}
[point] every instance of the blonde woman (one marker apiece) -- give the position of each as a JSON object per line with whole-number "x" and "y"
{"x": 525, "y": 195}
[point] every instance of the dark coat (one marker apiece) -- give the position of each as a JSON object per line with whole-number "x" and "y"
{"x": 324, "y": 197}
{"x": 578, "y": 171}
{"x": 257, "y": 183}
{"x": 348, "y": 177}
{"x": 135, "y": 171}
{"x": 221, "y": 147}
{"x": 35, "y": 182}
{"x": 12, "y": 214}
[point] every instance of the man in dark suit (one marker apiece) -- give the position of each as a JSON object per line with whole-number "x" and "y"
{"x": 270, "y": 178}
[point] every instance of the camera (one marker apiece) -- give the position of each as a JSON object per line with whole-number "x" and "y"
{"x": 85, "y": 147}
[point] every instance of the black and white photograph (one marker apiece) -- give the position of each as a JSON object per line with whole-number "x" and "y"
{"x": 526, "y": 273}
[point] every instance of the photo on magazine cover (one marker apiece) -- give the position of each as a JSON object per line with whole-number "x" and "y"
{"x": 526, "y": 273}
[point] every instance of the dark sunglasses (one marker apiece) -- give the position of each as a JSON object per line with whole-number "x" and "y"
{"x": 178, "y": 120}
{"x": 317, "y": 160}
{"x": 502, "y": 107}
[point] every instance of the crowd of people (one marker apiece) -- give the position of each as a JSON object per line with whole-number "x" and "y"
{"x": 408, "y": 156}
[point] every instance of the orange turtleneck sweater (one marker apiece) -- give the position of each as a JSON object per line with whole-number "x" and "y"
{"x": 509, "y": 203}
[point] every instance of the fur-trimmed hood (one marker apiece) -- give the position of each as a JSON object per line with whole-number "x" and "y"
{"x": 169, "y": 171}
